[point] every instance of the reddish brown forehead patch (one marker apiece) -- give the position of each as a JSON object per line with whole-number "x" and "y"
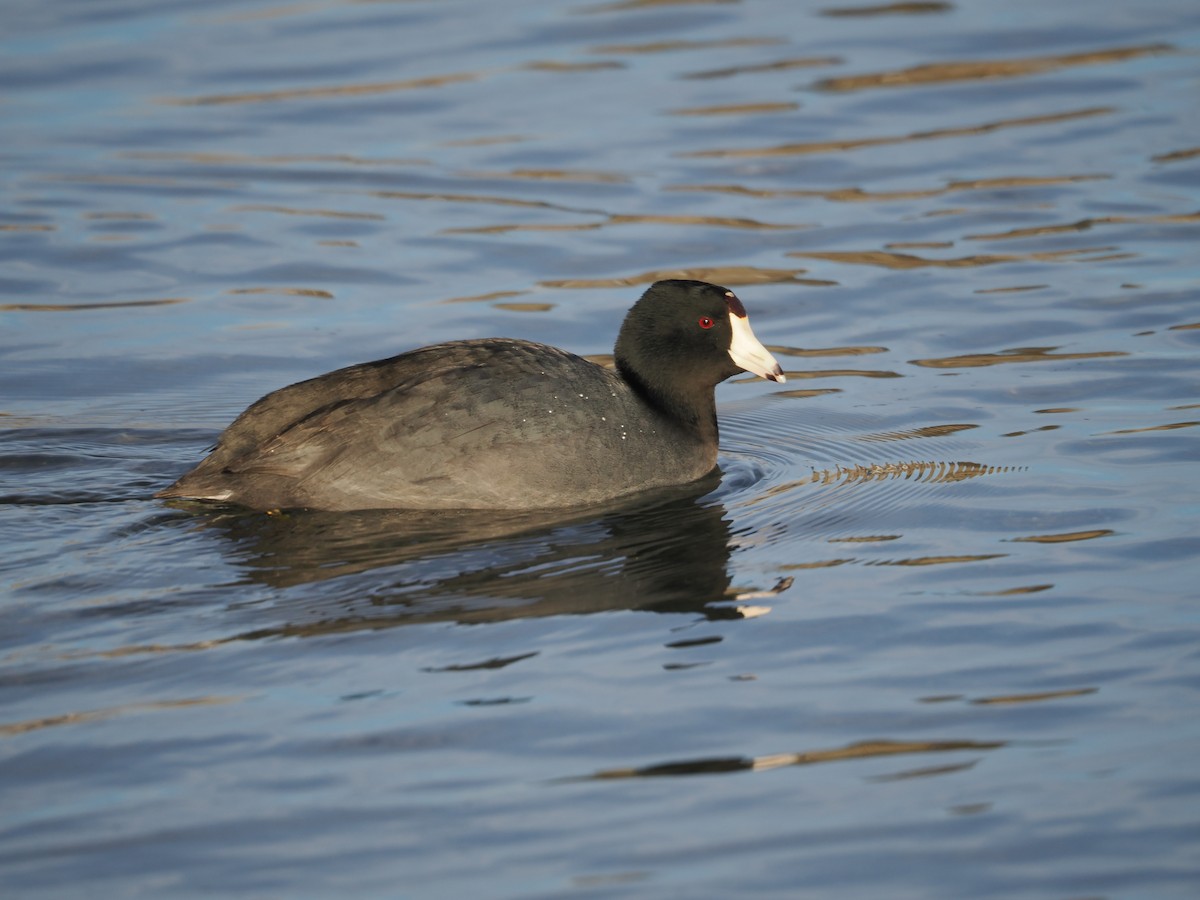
{"x": 735, "y": 305}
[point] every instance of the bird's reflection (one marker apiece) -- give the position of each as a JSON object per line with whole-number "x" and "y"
{"x": 667, "y": 552}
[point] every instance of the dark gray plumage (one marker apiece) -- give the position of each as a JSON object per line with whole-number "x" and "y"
{"x": 495, "y": 423}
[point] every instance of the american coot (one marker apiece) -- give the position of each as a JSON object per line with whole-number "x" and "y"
{"x": 496, "y": 423}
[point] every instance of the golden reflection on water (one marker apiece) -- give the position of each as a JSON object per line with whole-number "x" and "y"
{"x": 286, "y": 291}
{"x": 928, "y": 472}
{"x": 487, "y": 140}
{"x": 735, "y": 109}
{"x": 929, "y": 431}
{"x": 859, "y": 750}
{"x": 77, "y": 307}
{"x": 811, "y": 147}
{"x": 147, "y": 649}
{"x": 622, "y": 5}
{"x": 673, "y": 46}
{"x": 804, "y": 394}
{"x": 555, "y": 66}
{"x": 937, "y": 560}
{"x": 1034, "y": 698}
{"x": 1169, "y": 427}
{"x": 317, "y": 93}
{"x": 1031, "y": 431}
{"x": 525, "y": 307}
{"x": 806, "y": 62}
{"x": 556, "y": 175}
{"x": 1018, "y": 591}
{"x": 94, "y": 715}
{"x": 619, "y": 219}
{"x": 891, "y": 260}
{"x": 1016, "y": 355}
{"x": 1177, "y": 155}
{"x": 505, "y": 229}
{"x": 323, "y": 213}
{"x": 841, "y": 373}
{"x": 919, "y": 471}
{"x": 888, "y": 9}
{"x": 858, "y": 195}
{"x": 1066, "y": 537}
{"x": 825, "y": 351}
{"x": 975, "y": 70}
{"x": 817, "y": 564}
{"x": 485, "y": 298}
{"x": 1085, "y": 224}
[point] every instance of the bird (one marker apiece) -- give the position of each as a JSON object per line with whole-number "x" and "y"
{"x": 496, "y": 423}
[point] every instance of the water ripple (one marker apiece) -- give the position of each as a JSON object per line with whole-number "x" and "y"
{"x": 813, "y": 147}
{"x": 975, "y": 70}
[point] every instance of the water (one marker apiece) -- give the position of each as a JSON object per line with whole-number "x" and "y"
{"x": 932, "y": 634}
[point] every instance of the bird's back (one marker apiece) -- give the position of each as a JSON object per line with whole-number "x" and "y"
{"x": 471, "y": 424}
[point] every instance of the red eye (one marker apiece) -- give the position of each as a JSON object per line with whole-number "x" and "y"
{"x": 706, "y": 322}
